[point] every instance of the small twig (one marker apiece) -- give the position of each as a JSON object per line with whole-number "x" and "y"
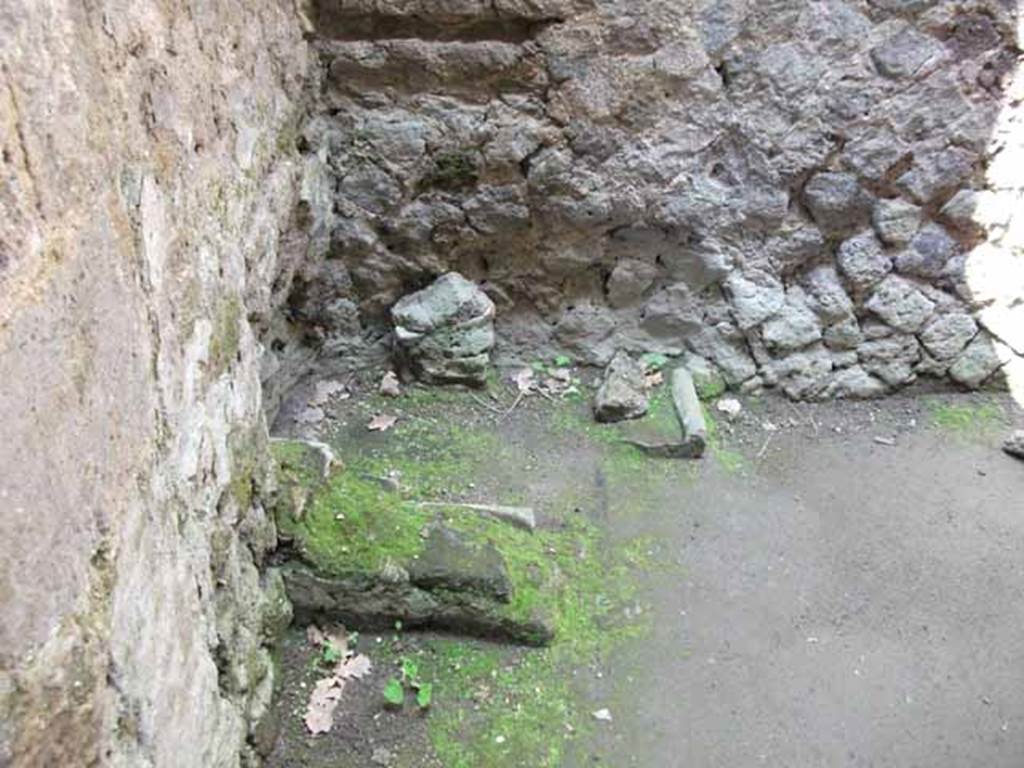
{"x": 764, "y": 448}
{"x": 515, "y": 405}
{"x": 546, "y": 396}
{"x": 485, "y": 404}
{"x": 799, "y": 416}
{"x": 793, "y": 408}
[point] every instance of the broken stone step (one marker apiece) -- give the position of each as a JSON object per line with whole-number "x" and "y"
{"x": 458, "y": 581}
{"x": 376, "y": 601}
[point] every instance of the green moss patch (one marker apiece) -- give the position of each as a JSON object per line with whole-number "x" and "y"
{"x": 504, "y": 707}
{"x": 971, "y": 419}
{"x": 453, "y": 171}
{"x": 493, "y": 705}
{"x": 729, "y": 460}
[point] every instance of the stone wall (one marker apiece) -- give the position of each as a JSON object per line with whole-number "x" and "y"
{"x": 147, "y": 175}
{"x": 786, "y": 188}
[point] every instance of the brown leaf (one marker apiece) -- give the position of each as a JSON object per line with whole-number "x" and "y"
{"x": 524, "y": 380}
{"x": 655, "y": 379}
{"x": 322, "y": 703}
{"x": 353, "y": 668}
{"x": 556, "y": 386}
{"x": 381, "y": 422}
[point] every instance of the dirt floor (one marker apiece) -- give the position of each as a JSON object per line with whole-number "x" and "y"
{"x": 833, "y": 585}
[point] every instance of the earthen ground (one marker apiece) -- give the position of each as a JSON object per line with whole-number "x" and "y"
{"x": 849, "y": 590}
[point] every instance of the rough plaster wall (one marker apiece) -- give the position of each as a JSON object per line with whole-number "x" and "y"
{"x": 784, "y": 187}
{"x": 146, "y": 176}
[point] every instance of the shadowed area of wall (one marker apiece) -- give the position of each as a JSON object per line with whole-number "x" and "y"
{"x": 146, "y": 175}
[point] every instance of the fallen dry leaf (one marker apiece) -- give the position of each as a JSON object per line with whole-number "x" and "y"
{"x": 327, "y": 691}
{"x": 353, "y": 668}
{"x": 524, "y": 380}
{"x": 322, "y": 703}
{"x": 652, "y": 380}
{"x": 381, "y": 422}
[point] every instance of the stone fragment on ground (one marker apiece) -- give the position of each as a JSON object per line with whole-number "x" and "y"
{"x": 520, "y": 517}
{"x": 689, "y": 412}
{"x": 390, "y": 386}
{"x": 1014, "y": 444}
{"x": 855, "y": 383}
{"x": 729, "y": 407}
{"x": 621, "y": 395}
{"x": 446, "y": 331}
{"x": 444, "y": 596}
{"x": 311, "y": 453}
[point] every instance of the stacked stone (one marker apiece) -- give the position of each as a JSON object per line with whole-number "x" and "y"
{"x": 445, "y": 332}
{"x": 800, "y": 202}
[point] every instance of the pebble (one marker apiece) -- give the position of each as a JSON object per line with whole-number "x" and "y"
{"x": 729, "y": 406}
{"x": 389, "y": 386}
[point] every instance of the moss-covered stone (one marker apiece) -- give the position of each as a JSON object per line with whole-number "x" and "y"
{"x": 275, "y": 608}
{"x": 450, "y": 561}
{"x": 452, "y": 171}
{"x": 371, "y": 559}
